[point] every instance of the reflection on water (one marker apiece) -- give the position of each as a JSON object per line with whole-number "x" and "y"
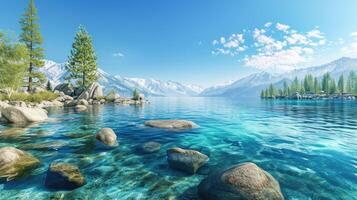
{"x": 310, "y": 147}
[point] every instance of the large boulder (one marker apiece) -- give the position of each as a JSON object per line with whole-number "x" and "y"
{"x": 112, "y": 96}
{"x": 66, "y": 88}
{"x": 94, "y": 91}
{"x": 107, "y": 136}
{"x": 23, "y": 114}
{"x": 14, "y": 162}
{"x": 186, "y": 160}
{"x": 245, "y": 181}
{"x": 64, "y": 176}
{"x": 171, "y": 124}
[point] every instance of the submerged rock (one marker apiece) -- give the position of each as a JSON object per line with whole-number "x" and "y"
{"x": 14, "y": 162}
{"x": 171, "y": 124}
{"x": 81, "y": 107}
{"x": 64, "y": 176}
{"x": 150, "y": 147}
{"x": 24, "y": 114}
{"x": 107, "y": 136}
{"x": 245, "y": 181}
{"x": 186, "y": 160}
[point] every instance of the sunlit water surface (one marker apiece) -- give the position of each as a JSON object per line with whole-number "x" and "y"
{"x": 310, "y": 147}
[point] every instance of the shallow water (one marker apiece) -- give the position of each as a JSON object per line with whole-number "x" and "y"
{"x": 310, "y": 147}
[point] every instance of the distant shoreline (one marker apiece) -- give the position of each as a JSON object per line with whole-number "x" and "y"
{"x": 297, "y": 96}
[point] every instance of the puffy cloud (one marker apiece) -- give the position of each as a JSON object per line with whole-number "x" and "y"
{"x": 118, "y": 54}
{"x": 272, "y": 50}
{"x": 282, "y": 27}
{"x": 353, "y": 34}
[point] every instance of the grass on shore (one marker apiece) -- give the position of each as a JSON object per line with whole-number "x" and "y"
{"x": 35, "y": 97}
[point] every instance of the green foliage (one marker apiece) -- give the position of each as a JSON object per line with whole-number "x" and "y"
{"x": 308, "y": 83}
{"x": 32, "y": 38}
{"x": 30, "y": 97}
{"x": 341, "y": 84}
{"x": 49, "y": 86}
{"x": 82, "y": 63}
{"x": 135, "y": 94}
{"x": 311, "y": 84}
{"x": 12, "y": 65}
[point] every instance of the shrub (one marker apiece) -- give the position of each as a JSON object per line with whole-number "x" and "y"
{"x": 36, "y": 97}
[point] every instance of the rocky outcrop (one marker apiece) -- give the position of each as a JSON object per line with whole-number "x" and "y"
{"x": 64, "y": 176}
{"x": 150, "y": 147}
{"x": 66, "y": 88}
{"x": 186, "y": 160}
{"x": 112, "y": 96}
{"x": 47, "y": 104}
{"x": 14, "y": 162}
{"x": 245, "y": 181}
{"x": 107, "y": 136}
{"x": 171, "y": 124}
{"x": 82, "y": 102}
{"x": 23, "y": 114}
{"x": 94, "y": 91}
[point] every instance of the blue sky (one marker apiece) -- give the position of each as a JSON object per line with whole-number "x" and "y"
{"x": 201, "y": 42}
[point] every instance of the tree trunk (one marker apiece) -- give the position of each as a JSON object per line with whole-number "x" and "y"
{"x": 83, "y": 80}
{"x": 29, "y": 89}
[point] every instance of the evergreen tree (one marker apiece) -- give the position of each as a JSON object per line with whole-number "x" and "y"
{"x": 333, "y": 88}
{"x": 326, "y": 83}
{"x": 32, "y": 38}
{"x": 302, "y": 88}
{"x": 82, "y": 63}
{"x": 285, "y": 89}
{"x": 271, "y": 90}
{"x": 49, "y": 86}
{"x": 262, "y": 94}
{"x": 317, "y": 87}
{"x": 341, "y": 84}
{"x": 136, "y": 94}
{"x": 267, "y": 93}
{"x": 295, "y": 86}
{"x": 309, "y": 83}
{"x": 13, "y": 57}
{"x": 351, "y": 82}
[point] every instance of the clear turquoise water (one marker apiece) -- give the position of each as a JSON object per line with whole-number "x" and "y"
{"x": 309, "y": 147}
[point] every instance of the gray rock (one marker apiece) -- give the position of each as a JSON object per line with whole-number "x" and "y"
{"x": 150, "y": 147}
{"x": 23, "y": 114}
{"x": 186, "y": 160}
{"x": 171, "y": 124}
{"x": 112, "y": 96}
{"x": 64, "y": 176}
{"x": 107, "y": 136}
{"x": 38, "y": 89}
{"x": 245, "y": 181}
{"x": 14, "y": 162}
{"x": 82, "y": 102}
{"x": 81, "y": 107}
{"x": 66, "y": 88}
{"x": 94, "y": 91}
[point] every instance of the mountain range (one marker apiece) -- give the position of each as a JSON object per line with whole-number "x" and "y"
{"x": 56, "y": 73}
{"x": 249, "y": 86}
{"x": 252, "y": 85}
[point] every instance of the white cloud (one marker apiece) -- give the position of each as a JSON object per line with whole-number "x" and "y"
{"x": 353, "y": 34}
{"x": 118, "y": 54}
{"x": 282, "y": 27}
{"x": 268, "y": 24}
{"x": 270, "y": 49}
{"x": 350, "y": 48}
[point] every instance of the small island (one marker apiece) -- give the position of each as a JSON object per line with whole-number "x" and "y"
{"x": 314, "y": 88}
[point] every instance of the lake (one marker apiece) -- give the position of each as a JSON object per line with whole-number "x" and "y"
{"x": 310, "y": 147}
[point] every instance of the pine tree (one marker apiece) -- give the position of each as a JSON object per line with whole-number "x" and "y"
{"x": 285, "y": 89}
{"x": 49, "y": 86}
{"x": 136, "y": 94}
{"x": 295, "y": 86}
{"x": 326, "y": 83}
{"x": 333, "y": 88}
{"x": 351, "y": 82}
{"x": 12, "y": 65}
{"x": 302, "y": 88}
{"x": 317, "y": 87}
{"x": 341, "y": 84}
{"x": 271, "y": 90}
{"x": 32, "y": 38}
{"x": 82, "y": 63}
{"x": 309, "y": 83}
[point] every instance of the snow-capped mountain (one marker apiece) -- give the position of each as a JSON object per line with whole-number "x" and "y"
{"x": 55, "y": 72}
{"x": 251, "y": 85}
